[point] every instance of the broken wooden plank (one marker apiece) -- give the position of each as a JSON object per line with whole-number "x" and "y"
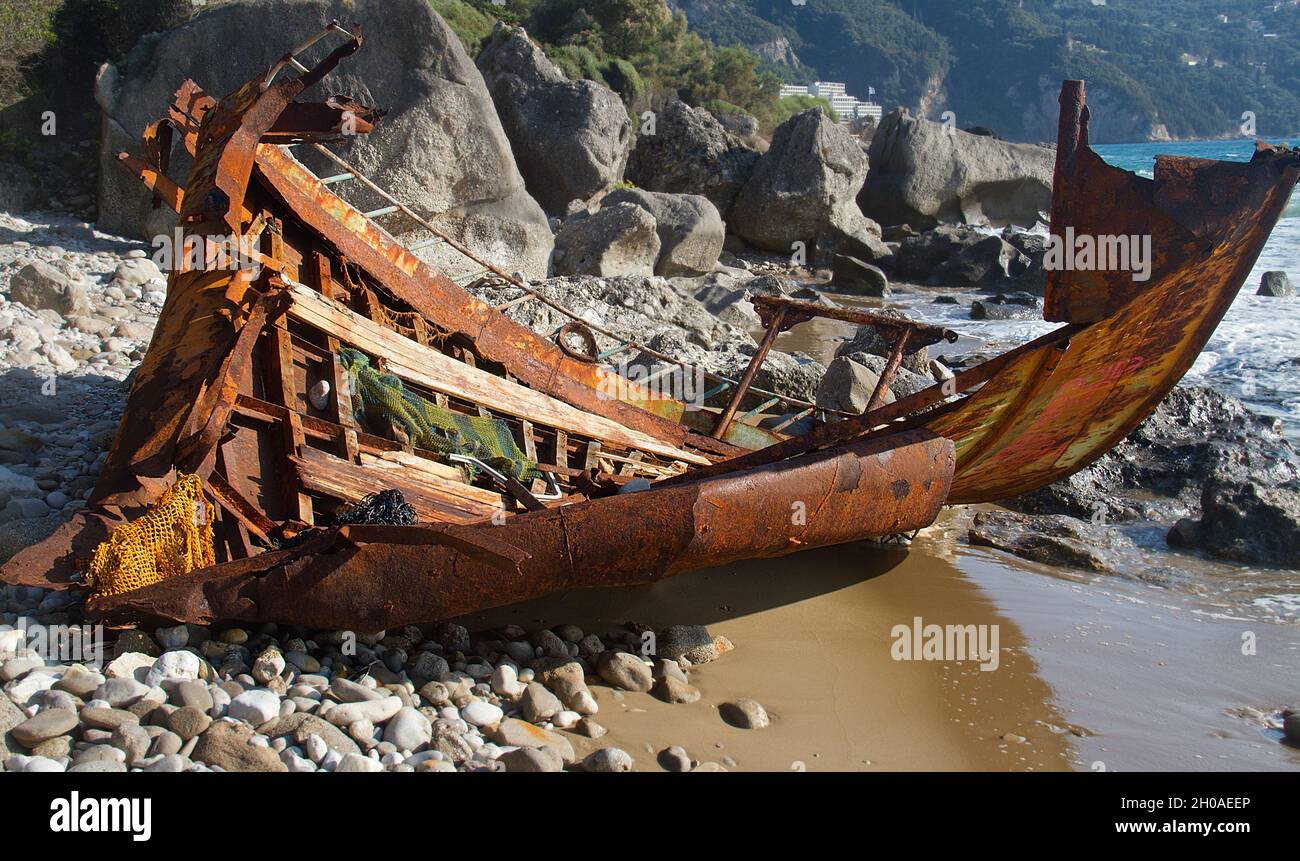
{"x": 440, "y": 373}
{"x": 433, "y": 499}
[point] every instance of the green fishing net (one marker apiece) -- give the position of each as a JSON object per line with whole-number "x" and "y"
{"x": 379, "y": 400}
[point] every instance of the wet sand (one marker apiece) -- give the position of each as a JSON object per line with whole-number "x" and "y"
{"x": 812, "y": 636}
{"x": 1094, "y": 674}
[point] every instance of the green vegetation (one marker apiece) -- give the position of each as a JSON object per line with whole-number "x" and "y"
{"x": 638, "y": 48}
{"x": 788, "y": 106}
{"x": 997, "y": 63}
{"x": 26, "y": 30}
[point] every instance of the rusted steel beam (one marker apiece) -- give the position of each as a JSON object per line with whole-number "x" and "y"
{"x": 775, "y": 325}
{"x": 799, "y": 310}
{"x": 331, "y": 582}
{"x": 533, "y": 360}
{"x": 891, "y": 369}
{"x": 839, "y": 432}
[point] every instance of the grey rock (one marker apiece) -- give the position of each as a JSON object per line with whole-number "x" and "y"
{"x": 858, "y": 278}
{"x": 923, "y": 173}
{"x": 441, "y": 149}
{"x": 804, "y": 187}
{"x": 1245, "y": 521}
{"x": 745, "y": 713}
{"x": 40, "y": 285}
{"x": 571, "y": 139}
{"x": 867, "y": 340}
{"x": 690, "y": 152}
{"x": 1275, "y": 284}
{"x": 689, "y": 227}
{"x": 620, "y": 239}
{"x": 848, "y": 386}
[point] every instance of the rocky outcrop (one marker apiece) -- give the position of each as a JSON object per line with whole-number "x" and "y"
{"x": 571, "y": 139}
{"x": 803, "y": 190}
{"x": 687, "y": 151}
{"x": 924, "y": 173}
{"x": 1203, "y": 454}
{"x": 689, "y": 228}
{"x": 1245, "y": 521}
{"x": 960, "y": 255}
{"x": 441, "y": 148}
{"x": 620, "y": 239}
{"x": 1275, "y": 284}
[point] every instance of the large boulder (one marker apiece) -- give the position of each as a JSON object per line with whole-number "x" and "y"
{"x": 924, "y": 173}
{"x": 803, "y": 190}
{"x": 571, "y": 139}
{"x": 441, "y": 148}
{"x": 689, "y": 227}
{"x": 687, "y": 151}
{"x": 621, "y": 239}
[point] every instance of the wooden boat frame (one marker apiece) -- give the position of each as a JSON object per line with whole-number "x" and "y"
{"x": 224, "y": 390}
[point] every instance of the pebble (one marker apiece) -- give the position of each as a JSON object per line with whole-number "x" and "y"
{"x": 355, "y": 762}
{"x": 532, "y": 760}
{"x": 121, "y": 692}
{"x": 671, "y": 689}
{"x": 173, "y": 665}
{"x": 188, "y": 722}
{"x": 45, "y": 725}
{"x": 674, "y": 758}
{"x": 626, "y": 671}
{"x": 505, "y": 681}
{"x": 745, "y": 714}
{"x": 538, "y": 704}
{"x": 607, "y": 759}
{"x": 481, "y": 714}
{"x": 408, "y": 730}
{"x": 176, "y": 637}
{"x": 589, "y": 728}
{"x": 255, "y": 707}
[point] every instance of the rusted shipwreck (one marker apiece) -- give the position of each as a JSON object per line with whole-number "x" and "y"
{"x": 248, "y": 388}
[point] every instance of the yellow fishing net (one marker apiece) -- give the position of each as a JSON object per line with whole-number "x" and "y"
{"x": 173, "y": 537}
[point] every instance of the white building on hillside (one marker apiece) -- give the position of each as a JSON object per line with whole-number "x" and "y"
{"x": 847, "y": 107}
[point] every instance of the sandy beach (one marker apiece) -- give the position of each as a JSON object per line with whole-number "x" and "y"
{"x": 1092, "y": 676}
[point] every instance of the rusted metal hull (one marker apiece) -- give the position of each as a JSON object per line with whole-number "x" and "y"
{"x": 223, "y": 394}
{"x": 1058, "y": 408}
{"x": 876, "y": 487}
